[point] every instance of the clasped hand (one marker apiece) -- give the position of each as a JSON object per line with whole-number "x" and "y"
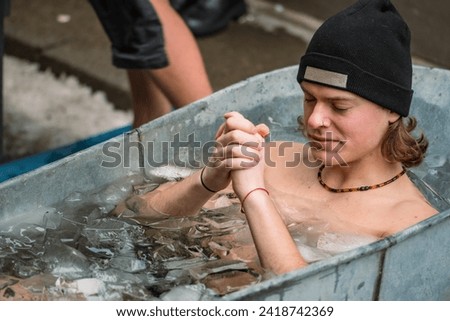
{"x": 238, "y": 156}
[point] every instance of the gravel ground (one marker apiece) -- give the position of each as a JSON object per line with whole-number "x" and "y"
{"x": 42, "y": 112}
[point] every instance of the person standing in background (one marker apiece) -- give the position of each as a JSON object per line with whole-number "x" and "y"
{"x": 152, "y": 43}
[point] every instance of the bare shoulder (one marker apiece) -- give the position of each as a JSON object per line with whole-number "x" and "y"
{"x": 410, "y": 210}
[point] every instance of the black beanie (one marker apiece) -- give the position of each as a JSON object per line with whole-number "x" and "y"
{"x": 364, "y": 49}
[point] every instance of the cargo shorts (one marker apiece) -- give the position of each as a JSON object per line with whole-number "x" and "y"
{"x": 135, "y": 32}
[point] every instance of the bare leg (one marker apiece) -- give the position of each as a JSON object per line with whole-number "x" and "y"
{"x": 155, "y": 91}
{"x": 185, "y": 79}
{"x": 148, "y": 100}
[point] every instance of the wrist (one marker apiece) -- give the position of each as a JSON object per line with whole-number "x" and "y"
{"x": 251, "y": 193}
{"x": 203, "y": 182}
{"x": 208, "y": 184}
{"x": 242, "y": 190}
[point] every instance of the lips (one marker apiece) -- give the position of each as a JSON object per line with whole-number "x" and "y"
{"x": 323, "y": 143}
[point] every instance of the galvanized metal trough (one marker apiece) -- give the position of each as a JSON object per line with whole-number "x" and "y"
{"x": 411, "y": 265}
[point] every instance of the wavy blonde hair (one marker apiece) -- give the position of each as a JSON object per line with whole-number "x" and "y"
{"x": 399, "y": 144}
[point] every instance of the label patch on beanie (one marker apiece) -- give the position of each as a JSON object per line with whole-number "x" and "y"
{"x": 326, "y": 77}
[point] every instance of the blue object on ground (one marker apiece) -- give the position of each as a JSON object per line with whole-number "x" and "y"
{"x": 29, "y": 163}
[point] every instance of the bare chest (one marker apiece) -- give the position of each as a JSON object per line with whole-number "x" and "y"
{"x": 308, "y": 201}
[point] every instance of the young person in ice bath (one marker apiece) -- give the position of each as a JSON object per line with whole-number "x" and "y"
{"x": 356, "y": 78}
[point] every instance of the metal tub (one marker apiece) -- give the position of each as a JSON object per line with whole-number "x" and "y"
{"x": 411, "y": 265}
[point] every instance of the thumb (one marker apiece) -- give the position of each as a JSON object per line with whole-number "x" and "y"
{"x": 263, "y": 130}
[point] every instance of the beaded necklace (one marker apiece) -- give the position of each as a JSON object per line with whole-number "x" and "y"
{"x": 356, "y": 189}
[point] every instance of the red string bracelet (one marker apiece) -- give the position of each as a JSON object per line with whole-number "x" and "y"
{"x": 248, "y": 194}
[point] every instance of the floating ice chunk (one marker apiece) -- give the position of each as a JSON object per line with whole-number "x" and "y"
{"x": 177, "y": 275}
{"x": 127, "y": 182}
{"x": 128, "y": 264}
{"x": 21, "y": 264}
{"x": 63, "y": 260}
{"x": 52, "y": 219}
{"x": 111, "y": 195}
{"x": 193, "y": 292}
{"x": 88, "y": 288}
{"x": 217, "y": 266}
{"x": 335, "y": 243}
{"x": 184, "y": 264}
{"x": 312, "y": 254}
{"x": 171, "y": 173}
{"x": 28, "y": 233}
{"x": 118, "y": 277}
{"x": 215, "y": 226}
{"x": 132, "y": 293}
{"x": 113, "y": 234}
{"x": 172, "y": 224}
{"x": 101, "y": 252}
{"x": 35, "y": 216}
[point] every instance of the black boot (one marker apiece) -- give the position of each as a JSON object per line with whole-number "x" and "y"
{"x": 207, "y": 17}
{"x": 181, "y": 5}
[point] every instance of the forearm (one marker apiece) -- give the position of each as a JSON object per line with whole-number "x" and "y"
{"x": 185, "y": 197}
{"x": 189, "y": 195}
{"x": 277, "y": 250}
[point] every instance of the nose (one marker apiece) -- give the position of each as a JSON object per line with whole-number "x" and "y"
{"x": 317, "y": 116}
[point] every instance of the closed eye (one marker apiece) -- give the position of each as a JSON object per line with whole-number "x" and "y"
{"x": 339, "y": 108}
{"x": 309, "y": 99}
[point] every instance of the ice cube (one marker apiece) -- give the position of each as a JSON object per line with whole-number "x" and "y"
{"x": 63, "y": 260}
{"x": 128, "y": 264}
{"x": 193, "y": 292}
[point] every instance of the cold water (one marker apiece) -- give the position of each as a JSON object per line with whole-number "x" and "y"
{"x": 78, "y": 250}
